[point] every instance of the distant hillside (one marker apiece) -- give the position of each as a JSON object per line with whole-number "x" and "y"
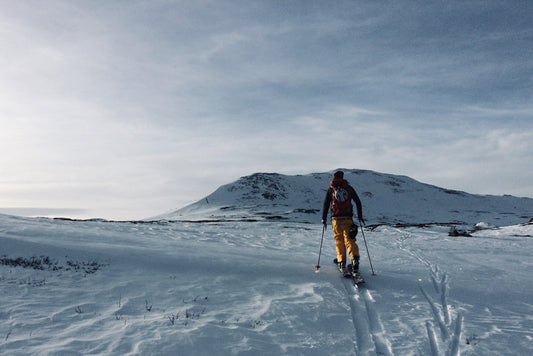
{"x": 386, "y": 199}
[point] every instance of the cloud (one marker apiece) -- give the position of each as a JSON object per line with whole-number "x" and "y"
{"x": 153, "y": 104}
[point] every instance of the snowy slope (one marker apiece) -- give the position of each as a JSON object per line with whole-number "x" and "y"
{"x": 250, "y": 288}
{"x": 240, "y": 278}
{"x": 386, "y": 199}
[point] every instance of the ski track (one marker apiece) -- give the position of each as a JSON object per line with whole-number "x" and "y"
{"x": 450, "y": 330}
{"x": 433, "y": 343}
{"x": 370, "y": 334}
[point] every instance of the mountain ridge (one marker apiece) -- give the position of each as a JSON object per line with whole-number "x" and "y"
{"x": 386, "y": 199}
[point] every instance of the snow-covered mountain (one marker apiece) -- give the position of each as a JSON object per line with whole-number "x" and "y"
{"x": 386, "y": 199}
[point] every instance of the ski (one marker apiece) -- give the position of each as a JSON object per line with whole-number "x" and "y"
{"x": 357, "y": 279}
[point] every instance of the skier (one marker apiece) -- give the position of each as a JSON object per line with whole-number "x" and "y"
{"x": 339, "y": 200}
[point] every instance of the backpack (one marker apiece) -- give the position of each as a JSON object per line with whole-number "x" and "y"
{"x": 341, "y": 204}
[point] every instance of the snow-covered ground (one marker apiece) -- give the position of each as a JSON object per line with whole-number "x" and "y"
{"x": 243, "y": 288}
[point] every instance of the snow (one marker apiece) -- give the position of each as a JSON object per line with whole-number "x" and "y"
{"x": 242, "y": 288}
{"x": 234, "y": 274}
{"x": 386, "y": 199}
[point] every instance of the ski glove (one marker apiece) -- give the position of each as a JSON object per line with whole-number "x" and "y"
{"x": 353, "y": 231}
{"x": 325, "y": 223}
{"x": 362, "y": 221}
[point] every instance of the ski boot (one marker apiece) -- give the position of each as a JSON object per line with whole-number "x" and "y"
{"x": 355, "y": 266}
{"x": 341, "y": 266}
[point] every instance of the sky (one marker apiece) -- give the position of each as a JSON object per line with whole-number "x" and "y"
{"x": 129, "y": 109}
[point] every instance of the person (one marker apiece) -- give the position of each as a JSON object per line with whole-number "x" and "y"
{"x": 338, "y": 200}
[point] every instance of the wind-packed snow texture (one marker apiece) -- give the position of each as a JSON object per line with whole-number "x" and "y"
{"x": 250, "y": 287}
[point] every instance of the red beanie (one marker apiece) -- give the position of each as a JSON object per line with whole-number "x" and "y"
{"x": 338, "y": 175}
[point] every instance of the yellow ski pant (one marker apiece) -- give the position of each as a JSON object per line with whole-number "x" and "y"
{"x": 341, "y": 234}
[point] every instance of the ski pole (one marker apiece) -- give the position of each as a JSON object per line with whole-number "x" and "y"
{"x": 317, "y": 267}
{"x": 366, "y": 246}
